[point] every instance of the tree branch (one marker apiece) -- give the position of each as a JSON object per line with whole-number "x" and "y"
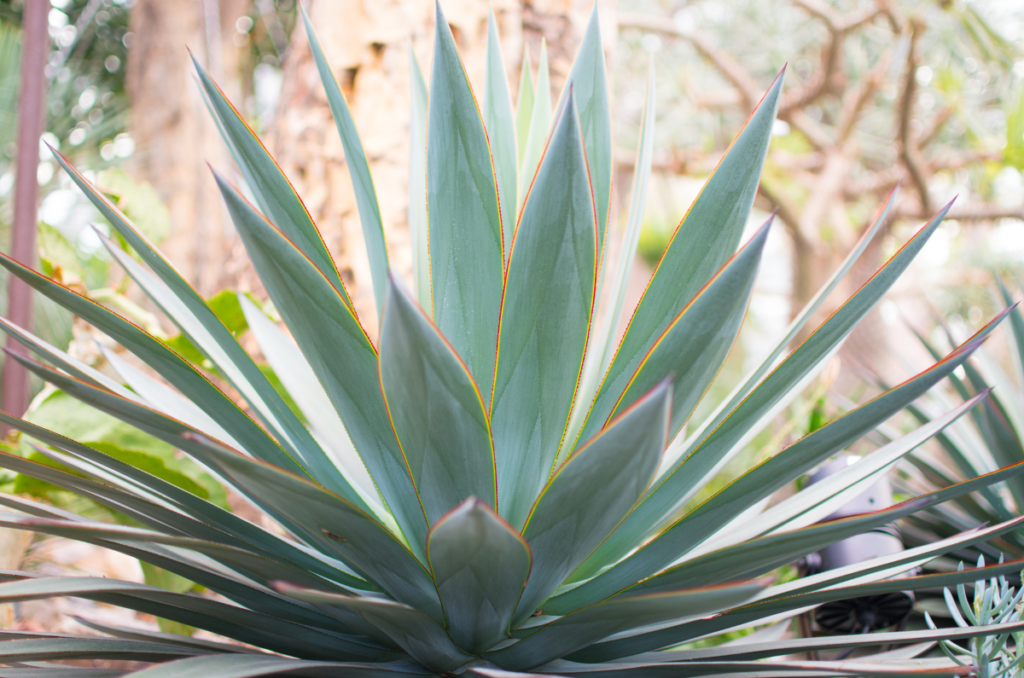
{"x": 909, "y": 153}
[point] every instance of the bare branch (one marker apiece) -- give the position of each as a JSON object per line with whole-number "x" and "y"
{"x": 909, "y": 153}
{"x": 929, "y": 135}
{"x": 749, "y": 91}
{"x": 786, "y": 213}
{"x": 968, "y": 213}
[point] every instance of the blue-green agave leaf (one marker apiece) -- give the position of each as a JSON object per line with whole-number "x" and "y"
{"x": 499, "y": 122}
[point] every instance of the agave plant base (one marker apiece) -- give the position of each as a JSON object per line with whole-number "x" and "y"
{"x": 495, "y": 486}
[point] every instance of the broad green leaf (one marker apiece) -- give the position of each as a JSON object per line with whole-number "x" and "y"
{"x": 358, "y": 170}
{"x": 692, "y": 348}
{"x": 524, "y": 107}
{"x": 327, "y": 519}
{"x": 231, "y": 528}
{"x": 412, "y": 630}
{"x": 825, "y": 589}
{"x": 706, "y": 238}
{"x": 584, "y": 627}
{"x": 761, "y": 481}
{"x": 302, "y": 384}
{"x": 545, "y": 319}
{"x": 249, "y": 666}
{"x": 588, "y": 84}
{"x": 591, "y": 493}
{"x": 418, "y": 185}
{"x": 464, "y": 224}
{"x": 176, "y": 371}
{"x": 602, "y": 344}
{"x": 501, "y": 132}
{"x": 480, "y": 566}
{"x": 139, "y": 200}
{"x": 745, "y": 411}
{"x": 340, "y": 354}
{"x": 539, "y": 124}
{"x": 272, "y": 190}
{"x": 231, "y": 621}
{"x": 435, "y": 408}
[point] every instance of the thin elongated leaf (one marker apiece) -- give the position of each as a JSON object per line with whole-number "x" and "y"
{"x": 761, "y": 481}
{"x": 435, "y": 408}
{"x": 415, "y": 632}
{"x": 166, "y": 362}
{"x": 524, "y": 107}
{"x": 340, "y": 354}
{"x": 231, "y": 621}
{"x": 821, "y": 499}
{"x": 273, "y": 192}
{"x": 165, "y": 399}
{"x": 501, "y": 131}
{"x": 539, "y": 125}
{"x": 588, "y": 83}
{"x": 480, "y": 566}
{"x": 777, "y": 648}
{"x": 861, "y": 667}
{"x": 464, "y": 224}
{"x": 59, "y": 358}
{"x": 330, "y": 520}
{"x": 418, "y": 185}
{"x": 232, "y": 528}
{"x": 797, "y": 596}
{"x": 197, "y": 321}
{"x": 298, "y": 378}
{"x": 704, "y": 240}
{"x": 692, "y": 348}
{"x": 160, "y": 637}
{"x": 600, "y": 352}
{"x": 715, "y": 443}
{"x": 591, "y": 493}
{"x": 545, "y": 320}
{"x": 580, "y": 629}
{"x": 30, "y": 650}
{"x": 247, "y": 666}
{"x": 358, "y": 170}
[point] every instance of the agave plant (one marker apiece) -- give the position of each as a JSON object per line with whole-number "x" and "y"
{"x": 494, "y": 486}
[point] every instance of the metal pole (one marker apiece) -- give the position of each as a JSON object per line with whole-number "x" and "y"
{"x": 35, "y": 43}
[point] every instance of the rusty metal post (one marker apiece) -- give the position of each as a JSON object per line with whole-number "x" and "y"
{"x": 35, "y": 43}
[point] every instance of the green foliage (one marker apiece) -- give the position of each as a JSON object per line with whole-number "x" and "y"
{"x": 494, "y": 485}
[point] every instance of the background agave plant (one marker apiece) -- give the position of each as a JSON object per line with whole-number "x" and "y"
{"x": 495, "y": 486}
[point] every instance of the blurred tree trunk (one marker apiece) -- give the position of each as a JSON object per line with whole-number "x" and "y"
{"x": 366, "y": 44}
{"x": 172, "y": 129}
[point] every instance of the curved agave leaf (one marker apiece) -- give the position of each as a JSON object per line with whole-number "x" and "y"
{"x": 591, "y": 493}
{"x": 418, "y": 186}
{"x": 588, "y": 84}
{"x": 358, "y": 169}
{"x": 545, "y": 318}
{"x": 435, "y": 409}
{"x": 539, "y": 126}
{"x": 501, "y": 132}
{"x": 693, "y": 347}
{"x": 166, "y": 362}
{"x": 325, "y": 328}
{"x": 480, "y": 566}
{"x": 705, "y": 239}
{"x": 761, "y": 481}
{"x": 272, "y": 190}
{"x": 579, "y": 629}
{"x": 464, "y": 224}
{"x": 84, "y": 647}
{"x": 415, "y": 632}
{"x": 183, "y": 305}
{"x": 731, "y": 427}
{"x": 524, "y": 106}
{"x": 246, "y": 666}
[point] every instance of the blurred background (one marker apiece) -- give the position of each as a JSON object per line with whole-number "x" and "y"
{"x": 925, "y": 94}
